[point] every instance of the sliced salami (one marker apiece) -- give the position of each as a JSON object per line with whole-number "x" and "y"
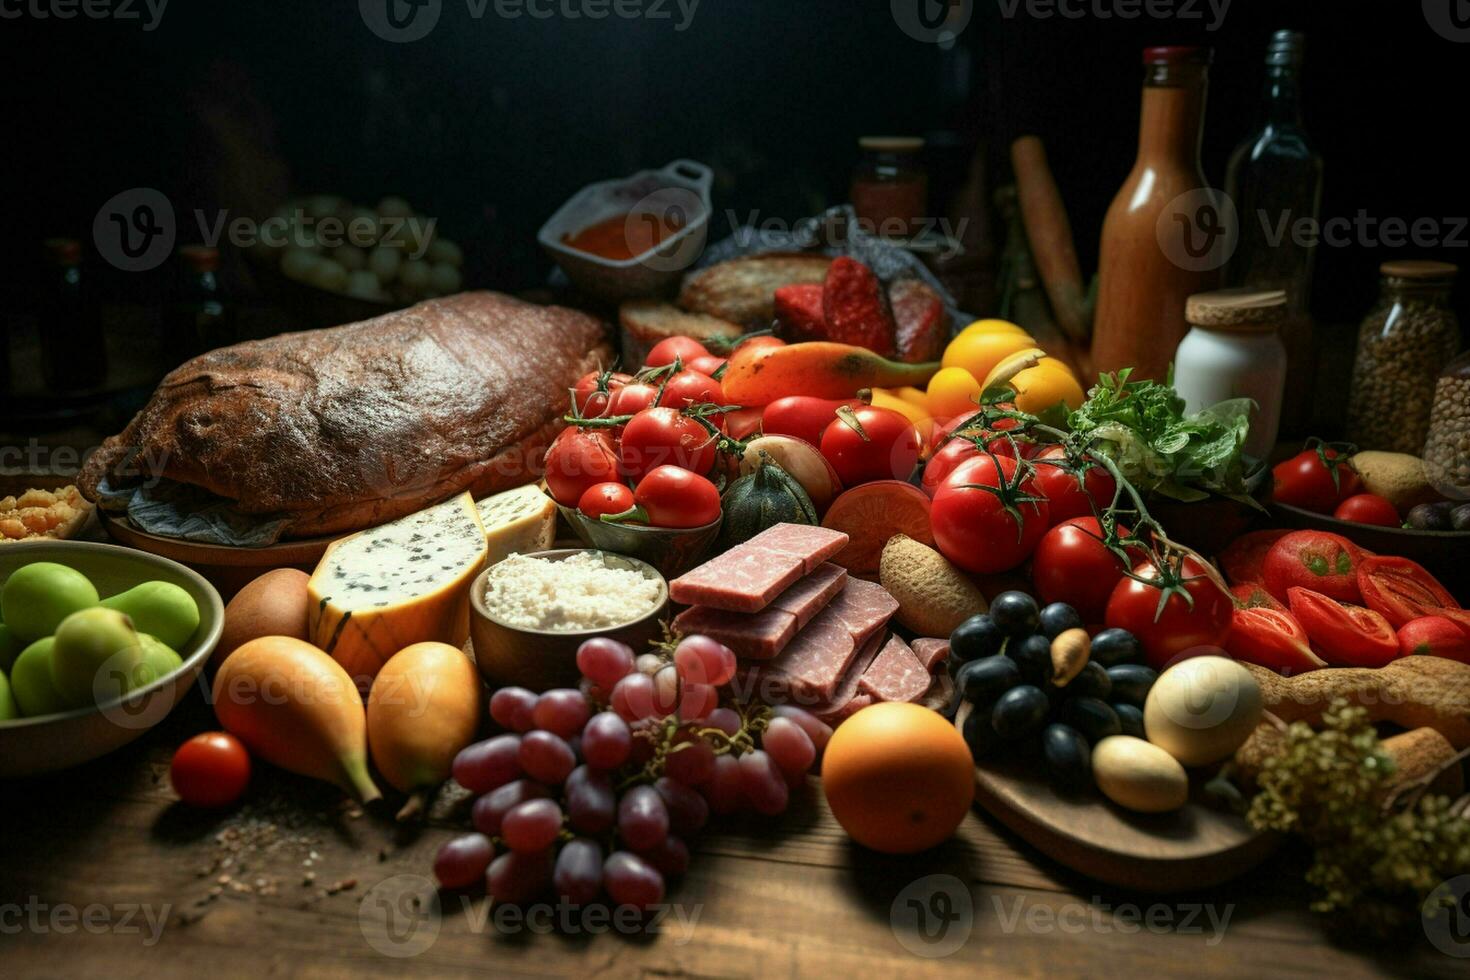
{"x": 812, "y": 594}
{"x": 747, "y": 577}
{"x": 758, "y": 636}
{"x": 931, "y": 652}
{"x": 812, "y": 544}
{"x": 895, "y": 674}
{"x": 812, "y": 665}
{"x": 865, "y": 607}
{"x": 847, "y": 698}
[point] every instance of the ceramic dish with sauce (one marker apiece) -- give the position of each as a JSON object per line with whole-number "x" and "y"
{"x": 634, "y": 236}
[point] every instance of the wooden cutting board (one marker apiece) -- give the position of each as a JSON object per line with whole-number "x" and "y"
{"x": 1192, "y": 848}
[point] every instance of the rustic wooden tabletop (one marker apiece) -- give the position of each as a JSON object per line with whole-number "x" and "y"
{"x": 101, "y": 872}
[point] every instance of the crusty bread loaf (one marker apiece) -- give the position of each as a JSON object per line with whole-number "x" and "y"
{"x": 644, "y": 322}
{"x": 743, "y": 290}
{"x": 341, "y": 429}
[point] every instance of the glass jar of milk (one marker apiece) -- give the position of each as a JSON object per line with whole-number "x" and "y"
{"x": 1234, "y": 350}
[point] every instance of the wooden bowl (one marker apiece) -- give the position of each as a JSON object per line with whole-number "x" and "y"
{"x": 227, "y": 568}
{"x": 1443, "y": 553}
{"x": 673, "y": 551}
{"x": 540, "y": 659}
{"x": 58, "y": 741}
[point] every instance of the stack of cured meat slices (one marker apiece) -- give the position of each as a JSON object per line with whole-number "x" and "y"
{"x": 805, "y": 633}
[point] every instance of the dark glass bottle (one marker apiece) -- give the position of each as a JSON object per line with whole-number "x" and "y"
{"x": 199, "y": 319}
{"x": 73, "y": 349}
{"x": 1275, "y": 180}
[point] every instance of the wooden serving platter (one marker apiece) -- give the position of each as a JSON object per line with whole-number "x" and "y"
{"x": 1192, "y": 848}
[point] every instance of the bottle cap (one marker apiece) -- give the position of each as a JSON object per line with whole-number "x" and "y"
{"x": 1243, "y": 310}
{"x": 200, "y": 258}
{"x": 1419, "y": 270}
{"x": 1286, "y": 49}
{"x": 64, "y": 251}
{"x": 892, "y": 144}
{"x": 1177, "y": 55}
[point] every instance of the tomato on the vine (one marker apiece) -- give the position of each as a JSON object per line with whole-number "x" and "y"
{"x": 987, "y": 515}
{"x": 946, "y": 458}
{"x": 1182, "y": 627}
{"x": 868, "y": 443}
{"x": 1318, "y": 479}
{"x": 803, "y": 416}
{"x": 210, "y": 770}
{"x": 605, "y": 498}
{"x": 691, "y": 388}
{"x": 662, "y": 436}
{"x": 1072, "y": 565}
{"x": 1345, "y": 635}
{"x": 670, "y": 349}
{"x": 577, "y": 459}
{"x": 592, "y": 394}
{"x": 709, "y": 364}
{"x": 675, "y": 497}
{"x": 1068, "y": 495}
{"x": 632, "y": 398}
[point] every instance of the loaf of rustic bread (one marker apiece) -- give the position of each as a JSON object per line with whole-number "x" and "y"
{"x": 348, "y": 427}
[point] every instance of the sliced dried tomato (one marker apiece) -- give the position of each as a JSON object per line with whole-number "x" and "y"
{"x": 1272, "y": 639}
{"x": 1256, "y": 597}
{"x": 1342, "y": 634}
{"x": 1402, "y": 590}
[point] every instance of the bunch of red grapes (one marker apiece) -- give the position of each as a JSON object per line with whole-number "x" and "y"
{"x": 596, "y": 790}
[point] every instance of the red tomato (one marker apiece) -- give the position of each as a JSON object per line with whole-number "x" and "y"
{"x": 871, "y": 444}
{"x": 1251, "y": 596}
{"x": 1000, "y": 445}
{"x": 1178, "y": 631}
{"x": 1306, "y": 480}
{"x": 1316, "y": 560}
{"x": 1401, "y": 590}
{"x": 1243, "y": 559}
{"x": 1434, "y": 636}
{"x": 802, "y": 416}
{"x": 1345, "y": 635}
{"x": 1072, "y": 565}
{"x": 1368, "y": 508}
{"x": 577, "y": 459}
{"x": 670, "y": 349}
{"x": 605, "y": 498}
{"x": 661, "y": 436}
{"x": 708, "y": 364}
{"x": 675, "y": 497}
{"x": 592, "y": 393}
{"x": 210, "y": 770}
{"x": 1070, "y": 497}
{"x": 691, "y": 388}
{"x": 763, "y": 340}
{"x": 632, "y": 398}
{"x": 1271, "y": 638}
{"x": 945, "y": 459}
{"x": 743, "y": 422}
{"x": 972, "y": 525}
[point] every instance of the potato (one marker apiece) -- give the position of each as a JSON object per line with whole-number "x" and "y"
{"x": 933, "y": 595}
{"x": 1397, "y": 477}
{"x": 275, "y": 604}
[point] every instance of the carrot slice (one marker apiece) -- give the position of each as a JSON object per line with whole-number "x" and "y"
{"x": 871, "y": 513}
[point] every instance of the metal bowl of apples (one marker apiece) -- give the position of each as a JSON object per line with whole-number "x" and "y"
{"x": 136, "y": 631}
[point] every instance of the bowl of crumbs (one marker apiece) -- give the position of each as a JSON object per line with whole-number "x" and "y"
{"x": 529, "y": 613}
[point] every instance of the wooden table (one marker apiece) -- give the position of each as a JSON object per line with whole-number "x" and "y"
{"x": 101, "y": 872}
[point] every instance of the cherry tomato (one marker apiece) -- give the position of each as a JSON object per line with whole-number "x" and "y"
{"x": 1243, "y": 560}
{"x": 972, "y": 525}
{"x": 948, "y": 456}
{"x": 632, "y": 398}
{"x": 1401, "y": 590}
{"x": 1068, "y": 496}
{"x": 577, "y": 459}
{"x": 1180, "y": 630}
{"x": 743, "y": 422}
{"x": 675, "y": 497}
{"x": 660, "y": 436}
{"x": 592, "y": 393}
{"x": 710, "y": 364}
{"x": 1344, "y": 635}
{"x": 871, "y": 444}
{"x": 605, "y": 498}
{"x": 1368, "y": 508}
{"x": 802, "y": 416}
{"x": 669, "y": 349}
{"x": 1306, "y": 480}
{"x": 210, "y": 770}
{"x": 692, "y": 388}
{"x": 1072, "y": 565}
{"x": 1000, "y": 445}
{"x": 1434, "y": 636}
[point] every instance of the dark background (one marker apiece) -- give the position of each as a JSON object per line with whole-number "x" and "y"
{"x": 490, "y": 124}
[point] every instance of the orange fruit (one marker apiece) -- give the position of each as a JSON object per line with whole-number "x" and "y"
{"x": 953, "y": 391}
{"x": 993, "y": 326}
{"x": 898, "y": 777}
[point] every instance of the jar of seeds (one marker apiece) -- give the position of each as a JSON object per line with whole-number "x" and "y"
{"x": 1447, "y": 449}
{"x": 1403, "y": 345}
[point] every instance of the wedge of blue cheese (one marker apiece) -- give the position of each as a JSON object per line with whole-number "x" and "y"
{"x": 518, "y": 521}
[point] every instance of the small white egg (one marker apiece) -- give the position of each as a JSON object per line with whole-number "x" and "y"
{"x": 1139, "y": 776}
{"x": 1202, "y": 709}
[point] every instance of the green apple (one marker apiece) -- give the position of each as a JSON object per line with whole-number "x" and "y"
{"x": 159, "y": 659}
{"x": 31, "y": 684}
{"x": 8, "y": 708}
{"x": 38, "y": 596}
{"x": 97, "y": 656}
